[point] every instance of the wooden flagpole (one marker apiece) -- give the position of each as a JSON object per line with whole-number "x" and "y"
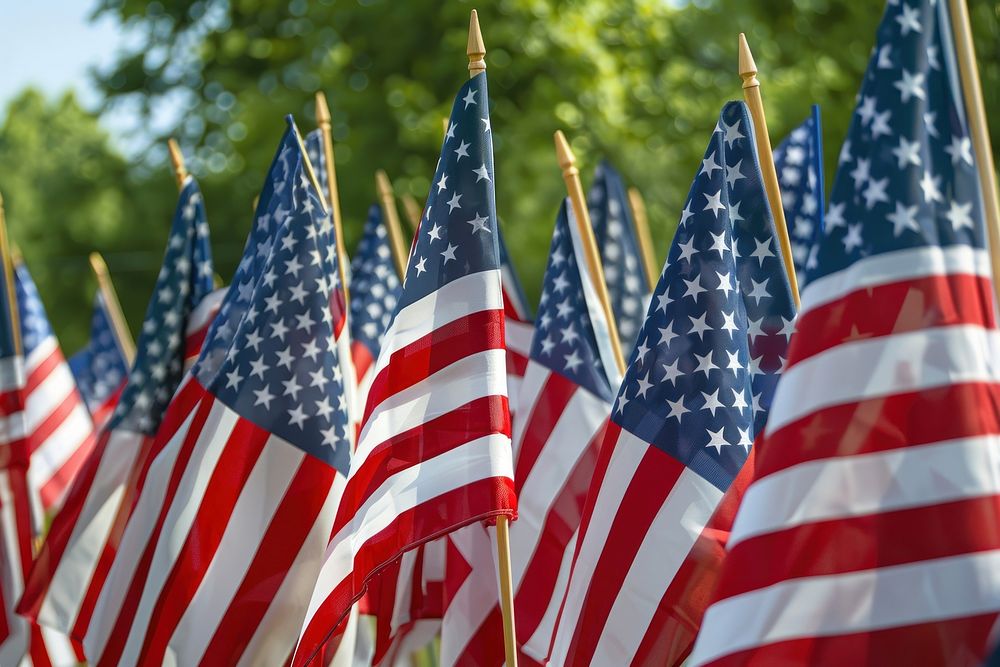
{"x": 642, "y": 235}
{"x": 114, "y": 308}
{"x": 975, "y": 112}
{"x": 567, "y": 162}
{"x": 751, "y": 93}
{"x": 391, "y": 215}
{"x": 8, "y": 272}
{"x": 326, "y": 129}
{"x": 412, "y": 209}
{"x": 177, "y": 160}
{"x": 476, "y": 51}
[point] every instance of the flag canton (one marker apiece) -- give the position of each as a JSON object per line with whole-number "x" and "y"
{"x": 799, "y": 163}
{"x": 564, "y": 340}
{"x": 184, "y": 280}
{"x": 34, "y": 323}
{"x": 100, "y": 367}
{"x": 317, "y": 156}
{"x": 282, "y": 370}
{"x": 614, "y": 230}
{"x": 701, "y": 378}
{"x": 907, "y": 174}
{"x": 515, "y": 302}
{"x": 458, "y": 235}
{"x": 375, "y": 286}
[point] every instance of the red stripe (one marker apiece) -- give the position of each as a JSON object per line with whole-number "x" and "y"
{"x": 54, "y": 419}
{"x": 670, "y": 636}
{"x": 18, "y": 480}
{"x": 482, "y": 417}
{"x": 361, "y": 356}
{"x": 877, "y": 540}
{"x": 41, "y": 372}
{"x": 37, "y": 649}
{"x": 53, "y": 490}
{"x": 286, "y": 533}
{"x": 476, "y": 501}
{"x": 244, "y": 444}
{"x": 485, "y": 648}
{"x": 883, "y": 424}
{"x": 194, "y": 340}
{"x": 956, "y": 642}
{"x": 537, "y": 586}
{"x": 894, "y": 308}
{"x": 549, "y": 406}
{"x": 649, "y": 487}
{"x": 517, "y": 363}
{"x": 439, "y": 349}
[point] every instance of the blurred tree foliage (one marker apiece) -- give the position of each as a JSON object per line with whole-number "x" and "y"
{"x": 638, "y": 81}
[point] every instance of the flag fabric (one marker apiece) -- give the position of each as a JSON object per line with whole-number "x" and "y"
{"x": 73, "y": 563}
{"x": 59, "y": 431}
{"x": 434, "y": 451}
{"x": 798, "y": 161}
{"x": 230, "y": 527}
{"x": 875, "y": 499}
{"x": 614, "y": 230}
{"x": 697, "y": 390}
{"x": 100, "y": 368}
{"x": 314, "y": 143}
{"x": 518, "y": 327}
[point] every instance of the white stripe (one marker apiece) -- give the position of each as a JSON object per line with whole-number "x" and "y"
{"x": 460, "y": 298}
{"x": 12, "y": 428}
{"x": 892, "y": 267}
{"x": 400, "y": 612}
{"x": 678, "y": 523}
{"x": 50, "y": 457}
{"x": 883, "y": 366}
{"x": 251, "y": 516}
{"x": 535, "y": 377}
{"x": 845, "y": 487}
{"x": 475, "y": 376}
{"x": 518, "y": 336}
{"x": 205, "y": 311}
{"x": 855, "y": 602}
{"x": 476, "y": 596}
{"x": 15, "y": 644}
{"x": 75, "y": 569}
{"x": 58, "y": 648}
{"x": 11, "y": 373}
{"x": 538, "y": 644}
{"x": 180, "y": 515}
{"x": 137, "y": 533}
{"x": 45, "y": 348}
{"x": 583, "y": 417}
{"x": 628, "y": 453}
{"x": 48, "y": 394}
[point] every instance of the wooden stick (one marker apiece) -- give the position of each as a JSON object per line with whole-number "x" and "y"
{"x": 8, "y": 272}
{"x": 641, "y": 222}
{"x": 412, "y": 209}
{"x": 388, "y": 200}
{"x": 325, "y": 125}
{"x": 567, "y": 162}
{"x": 475, "y": 48}
{"x": 122, "y": 334}
{"x": 177, "y": 160}
{"x": 975, "y": 110}
{"x": 751, "y": 93}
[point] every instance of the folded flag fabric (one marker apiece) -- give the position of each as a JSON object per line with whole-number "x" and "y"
{"x": 100, "y": 368}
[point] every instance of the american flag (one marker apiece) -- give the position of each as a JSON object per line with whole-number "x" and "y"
{"x": 875, "y": 496}
{"x": 73, "y": 563}
{"x": 314, "y": 142}
{"x": 231, "y": 524}
{"x": 518, "y": 327}
{"x": 798, "y": 161}
{"x": 696, "y": 393}
{"x": 59, "y": 430}
{"x": 434, "y": 451}
{"x": 614, "y": 229}
{"x": 100, "y": 368}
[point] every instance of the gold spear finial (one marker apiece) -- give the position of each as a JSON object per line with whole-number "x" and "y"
{"x": 177, "y": 160}
{"x": 476, "y": 49}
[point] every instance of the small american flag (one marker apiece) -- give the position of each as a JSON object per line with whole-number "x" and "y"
{"x": 696, "y": 393}
{"x": 100, "y": 368}
{"x": 314, "y": 143}
{"x": 434, "y": 451}
{"x": 231, "y": 524}
{"x": 614, "y": 230}
{"x": 875, "y": 496}
{"x": 60, "y": 432}
{"x": 798, "y": 161}
{"x": 70, "y": 570}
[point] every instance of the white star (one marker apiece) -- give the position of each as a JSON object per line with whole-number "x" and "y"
{"x": 884, "y": 62}
{"x": 297, "y": 416}
{"x": 734, "y": 174}
{"x": 641, "y": 351}
{"x": 479, "y": 223}
{"x": 734, "y": 362}
{"x": 671, "y": 372}
{"x": 687, "y": 249}
{"x": 699, "y": 325}
{"x": 662, "y": 301}
{"x": 739, "y": 400}
{"x": 908, "y": 152}
{"x": 686, "y": 213}
{"x": 959, "y": 215}
{"x": 677, "y": 408}
{"x": 279, "y": 329}
{"x": 714, "y": 203}
{"x": 861, "y": 172}
{"x": 719, "y": 243}
{"x": 569, "y": 334}
{"x": 560, "y": 283}
{"x": 960, "y": 150}
{"x": 443, "y": 183}
{"x": 729, "y": 323}
{"x": 621, "y": 402}
{"x": 233, "y": 379}
{"x": 693, "y": 288}
{"x": 305, "y": 322}
{"x": 759, "y": 290}
{"x": 725, "y": 283}
{"x": 319, "y": 379}
{"x": 734, "y": 214}
{"x": 835, "y": 216}
{"x": 258, "y": 367}
{"x": 470, "y": 98}
{"x": 449, "y": 253}
{"x": 880, "y": 124}
{"x": 420, "y": 266}
{"x": 709, "y": 166}
{"x": 324, "y": 409}
{"x": 909, "y": 20}
{"x": 481, "y": 173}
{"x": 875, "y": 192}
{"x": 712, "y": 402}
{"x": 450, "y": 134}
{"x": 434, "y": 233}
{"x": 755, "y": 400}
{"x": 461, "y": 151}
{"x": 762, "y": 251}
{"x": 453, "y": 204}
{"x": 667, "y": 334}
{"x": 264, "y": 397}
{"x": 572, "y": 361}
{"x": 930, "y": 121}
{"x": 852, "y": 239}
{"x": 292, "y": 388}
{"x": 931, "y": 187}
{"x": 745, "y": 440}
{"x": 866, "y": 110}
{"x": 732, "y": 133}
{"x": 310, "y": 349}
{"x": 911, "y": 85}
{"x": 285, "y": 358}
{"x": 548, "y": 344}
{"x": 787, "y": 328}
{"x": 486, "y": 124}
{"x": 903, "y": 218}
{"x": 644, "y": 385}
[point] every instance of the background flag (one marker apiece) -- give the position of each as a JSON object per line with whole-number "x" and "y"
{"x": 100, "y": 367}
{"x": 875, "y": 497}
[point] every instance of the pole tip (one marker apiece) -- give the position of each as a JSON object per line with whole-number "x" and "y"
{"x": 563, "y": 152}
{"x": 382, "y": 184}
{"x": 177, "y": 160}
{"x": 748, "y": 68}
{"x": 476, "y": 49}
{"x": 322, "y": 109}
{"x": 97, "y": 263}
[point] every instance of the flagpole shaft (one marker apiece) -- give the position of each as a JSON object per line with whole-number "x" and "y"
{"x": 751, "y": 93}
{"x": 114, "y": 308}
{"x": 571, "y": 175}
{"x": 8, "y": 272}
{"x": 976, "y": 112}
{"x": 177, "y": 160}
{"x": 391, "y": 215}
{"x": 642, "y": 235}
{"x": 506, "y": 589}
{"x": 326, "y": 128}
{"x": 412, "y": 209}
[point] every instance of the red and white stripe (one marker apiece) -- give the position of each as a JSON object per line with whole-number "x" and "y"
{"x": 199, "y": 321}
{"x": 60, "y": 432}
{"x": 434, "y": 451}
{"x": 884, "y": 435}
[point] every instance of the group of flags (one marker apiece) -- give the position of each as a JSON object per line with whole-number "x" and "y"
{"x": 318, "y": 464}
